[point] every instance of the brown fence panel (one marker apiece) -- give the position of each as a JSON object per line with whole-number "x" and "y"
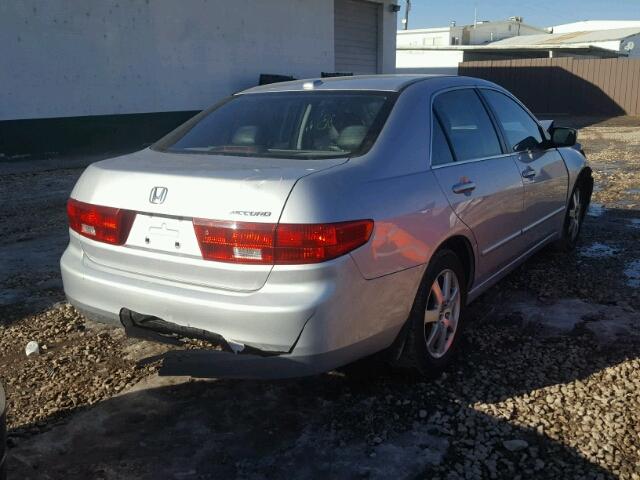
{"x": 586, "y": 71}
{"x": 634, "y": 101}
{"x": 626, "y": 80}
{"x": 608, "y": 85}
{"x": 578, "y": 70}
{"x": 573, "y": 86}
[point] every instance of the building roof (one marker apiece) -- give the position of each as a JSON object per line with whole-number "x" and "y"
{"x": 482, "y": 24}
{"x": 499, "y": 47}
{"x": 391, "y": 83}
{"x": 590, "y": 25}
{"x": 571, "y": 38}
{"x": 413, "y": 31}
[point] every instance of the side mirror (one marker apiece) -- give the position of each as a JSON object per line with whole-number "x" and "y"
{"x": 563, "y": 136}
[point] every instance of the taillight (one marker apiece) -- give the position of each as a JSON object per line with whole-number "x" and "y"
{"x": 266, "y": 243}
{"x": 238, "y": 242}
{"x": 103, "y": 224}
{"x": 301, "y": 243}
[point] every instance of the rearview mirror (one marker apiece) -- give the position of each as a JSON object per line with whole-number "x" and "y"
{"x": 563, "y": 136}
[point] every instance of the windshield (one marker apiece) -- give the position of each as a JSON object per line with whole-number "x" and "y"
{"x": 305, "y": 125}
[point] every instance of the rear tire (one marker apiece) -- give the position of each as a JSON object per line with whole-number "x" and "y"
{"x": 435, "y": 324}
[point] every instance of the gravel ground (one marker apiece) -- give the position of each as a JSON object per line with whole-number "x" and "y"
{"x": 548, "y": 386}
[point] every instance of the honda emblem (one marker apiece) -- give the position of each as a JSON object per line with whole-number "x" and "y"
{"x": 158, "y": 195}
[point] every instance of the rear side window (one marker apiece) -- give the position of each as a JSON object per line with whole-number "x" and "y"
{"x": 440, "y": 151}
{"x": 520, "y": 130}
{"x": 467, "y": 124}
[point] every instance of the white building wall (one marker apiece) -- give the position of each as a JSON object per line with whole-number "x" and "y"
{"x": 489, "y": 32}
{"x": 631, "y": 46}
{"x": 613, "y": 45}
{"x": 480, "y": 34}
{"x": 428, "y": 61}
{"x": 66, "y": 58}
{"x": 429, "y": 37}
{"x": 387, "y": 40}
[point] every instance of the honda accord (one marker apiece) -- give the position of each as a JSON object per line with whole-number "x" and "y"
{"x": 323, "y": 221}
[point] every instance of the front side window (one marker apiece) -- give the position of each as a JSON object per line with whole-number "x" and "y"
{"x": 302, "y": 125}
{"x": 520, "y": 130}
{"x": 467, "y": 124}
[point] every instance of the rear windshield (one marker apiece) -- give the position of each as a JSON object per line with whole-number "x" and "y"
{"x": 304, "y": 125}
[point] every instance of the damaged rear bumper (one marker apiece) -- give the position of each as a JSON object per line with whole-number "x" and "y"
{"x": 317, "y": 317}
{"x": 269, "y": 319}
{"x": 146, "y": 327}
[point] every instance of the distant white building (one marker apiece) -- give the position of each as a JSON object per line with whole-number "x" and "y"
{"x": 589, "y": 39}
{"x": 428, "y": 50}
{"x": 601, "y": 43}
{"x": 479, "y": 34}
{"x": 430, "y": 37}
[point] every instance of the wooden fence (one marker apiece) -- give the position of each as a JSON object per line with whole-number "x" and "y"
{"x": 598, "y": 87}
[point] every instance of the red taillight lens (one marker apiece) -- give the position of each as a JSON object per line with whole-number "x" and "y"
{"x": 103, "y": 224}
{"x": 314, "y": 243}
{"x": 263, "y": 243}
{"x": 237, "y": 242}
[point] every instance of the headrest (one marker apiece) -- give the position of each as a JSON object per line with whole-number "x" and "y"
{"x": 245, "y": 136}
{"x": 351, "y": 137}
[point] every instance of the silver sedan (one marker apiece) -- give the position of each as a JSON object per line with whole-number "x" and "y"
{"x": 323, "y": 221}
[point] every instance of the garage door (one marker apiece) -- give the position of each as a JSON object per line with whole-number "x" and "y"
{"x": 356, "y": 36}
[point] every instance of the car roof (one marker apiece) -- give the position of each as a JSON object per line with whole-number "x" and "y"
{"x": 390, "y": 83}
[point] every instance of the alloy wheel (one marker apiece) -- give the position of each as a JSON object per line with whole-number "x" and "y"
{"x": 442, "y": 313}
{"x": 575, "y": 215}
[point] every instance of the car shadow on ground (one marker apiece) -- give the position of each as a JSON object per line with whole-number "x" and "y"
{"x": 327, "y": 426}
{"x": 387, "y": 424}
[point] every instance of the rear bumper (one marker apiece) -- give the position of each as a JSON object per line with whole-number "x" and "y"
{"x": 322, "y": 316}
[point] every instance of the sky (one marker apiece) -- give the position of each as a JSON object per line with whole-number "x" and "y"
{"x": 541, "y": 13}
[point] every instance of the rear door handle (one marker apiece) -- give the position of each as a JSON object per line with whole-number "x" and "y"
{"x": 529, "y": 172}
{"x": 466, "y": 187}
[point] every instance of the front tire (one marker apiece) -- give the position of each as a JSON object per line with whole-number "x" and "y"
{"x": 435, "y": 322}
{"x": 576, "y": 210}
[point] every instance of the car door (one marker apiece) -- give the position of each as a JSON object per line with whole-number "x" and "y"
{"x": 543, "y": 171}
{"x": 481, "y": 182}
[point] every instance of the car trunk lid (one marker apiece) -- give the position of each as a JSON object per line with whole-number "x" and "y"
{"x": 168, "y": 190}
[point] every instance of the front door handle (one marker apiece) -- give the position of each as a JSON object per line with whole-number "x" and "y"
{"x": 529, "y": 172}
{"x": 466, "y": 187}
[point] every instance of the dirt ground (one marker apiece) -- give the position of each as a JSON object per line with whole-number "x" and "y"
{"x": 548, "y": 385}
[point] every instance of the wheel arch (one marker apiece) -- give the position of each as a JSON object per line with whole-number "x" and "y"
{"x": 585, "y": 177}
{"x": 462, "y": 247}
